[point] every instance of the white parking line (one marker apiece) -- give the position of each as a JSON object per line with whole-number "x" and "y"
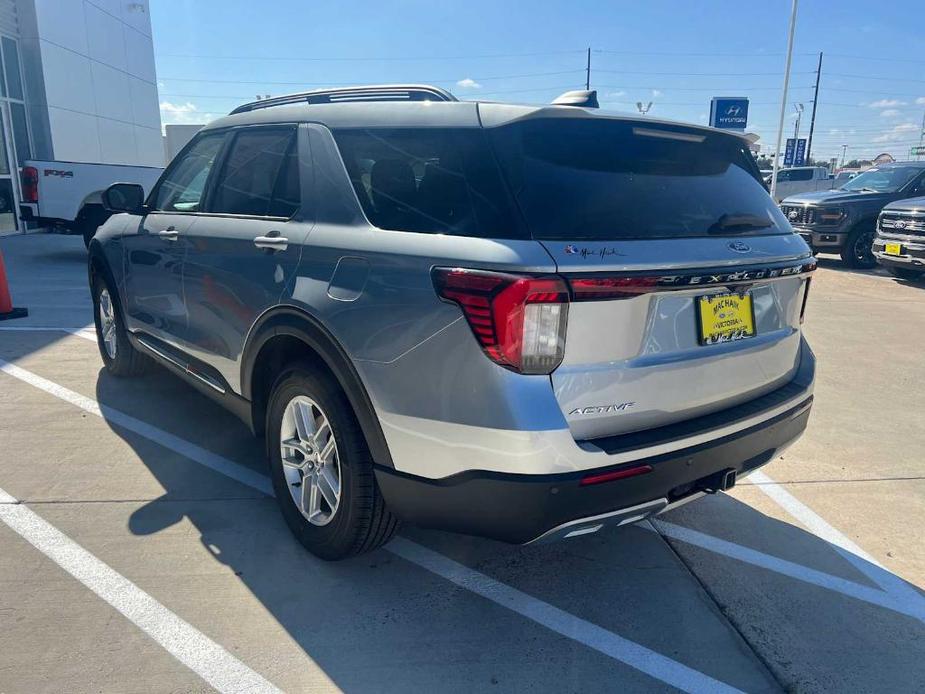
{"x": 858, "y": 558}
{"x": 787, "y": 568}
{"x": 184, "y": 642}
{"x": 628, "y": 652}
{"x": 87, "y": 332}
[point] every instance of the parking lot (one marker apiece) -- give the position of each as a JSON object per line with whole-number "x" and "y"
{"x": 140, "y": 549}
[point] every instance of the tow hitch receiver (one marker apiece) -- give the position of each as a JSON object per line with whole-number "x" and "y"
{"x": 721, "y": 481}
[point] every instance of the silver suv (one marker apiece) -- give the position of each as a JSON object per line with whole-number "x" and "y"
{"x": 517, "y": 322}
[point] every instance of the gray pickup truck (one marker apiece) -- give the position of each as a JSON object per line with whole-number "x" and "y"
{"x": 844, "y": 220}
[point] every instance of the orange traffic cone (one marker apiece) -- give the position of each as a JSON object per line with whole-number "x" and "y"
{"x": 6, "y": 302}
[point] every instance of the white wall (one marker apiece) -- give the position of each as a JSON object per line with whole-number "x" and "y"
{"x": 100, "y": 85}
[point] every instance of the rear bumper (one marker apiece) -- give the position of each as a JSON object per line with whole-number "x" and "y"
{"x": 524, "y": 508}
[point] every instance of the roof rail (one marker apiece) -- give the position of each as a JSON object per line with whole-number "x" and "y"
{"x": 376, "y": 92}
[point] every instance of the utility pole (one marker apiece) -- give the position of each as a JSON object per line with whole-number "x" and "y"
{"x": 921, "y": 137}
{"x": 783, "y": 99}
{"x": 588, "y": 71}
{"x": 812, "y": 120}
{"x": 844, "y": 149}
{"x": 796, "y": 128}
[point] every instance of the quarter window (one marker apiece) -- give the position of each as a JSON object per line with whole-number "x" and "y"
{"x": 260, "y": 175}
{"x": 182, "y": 187}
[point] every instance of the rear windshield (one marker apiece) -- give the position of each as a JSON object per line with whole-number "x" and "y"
{"x": 596, "y": 179}
{"x": 433, "y": 180}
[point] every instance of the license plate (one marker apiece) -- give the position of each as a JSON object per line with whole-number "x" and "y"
{"x": 893, "y": 249}
{"x": 725, "y": 318}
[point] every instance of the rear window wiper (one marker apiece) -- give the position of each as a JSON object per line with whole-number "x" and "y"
{"x": 738, "y": 222}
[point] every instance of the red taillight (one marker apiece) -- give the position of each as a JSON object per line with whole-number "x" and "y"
{"x": 29, "y": 180}
{"x": 591, "y": 288}
{"x": 621, "y": 474}
{"x": 519, "y": 321}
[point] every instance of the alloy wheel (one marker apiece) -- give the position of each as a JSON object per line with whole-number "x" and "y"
{"x": 107, "y": 323}
{"x": 863, "y": 249}
{"x": 311, "y": 463}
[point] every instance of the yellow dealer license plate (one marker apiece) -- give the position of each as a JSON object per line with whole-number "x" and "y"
{"x": 893, "y": 249}
{"x": 725, "y": 318}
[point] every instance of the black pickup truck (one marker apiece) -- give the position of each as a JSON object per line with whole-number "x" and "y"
{"x": 844, "y": 220}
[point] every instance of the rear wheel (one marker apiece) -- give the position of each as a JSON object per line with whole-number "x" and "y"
{"x": 906, "y": 273}
{"x": 858, "y": 251}
{"x": 322, "y": 469}
{"x": 119, "y": 356}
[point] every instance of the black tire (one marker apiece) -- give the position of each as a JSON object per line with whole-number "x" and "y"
{"x": 858, "y": 251}
{"x": 89, "y": 219}
{"x": 361, "y": 521}
{"x": 906, "y": 273}
{"x": 126, "y": 360}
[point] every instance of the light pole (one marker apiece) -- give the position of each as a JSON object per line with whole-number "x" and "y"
{"x": 783, "y": 99}
{"x": 796, "y": 129}
{"x": 844, "y": 148}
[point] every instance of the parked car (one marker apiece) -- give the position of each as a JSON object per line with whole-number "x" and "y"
{"x": 900, "y": 242}
{"x": 518, "y": 322}
{"x": 844, "y": 220}
{"x": 65, "y": 195}
{"x": 801, "y": 179}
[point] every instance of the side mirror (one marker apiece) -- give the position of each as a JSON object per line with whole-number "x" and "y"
{"x": 124, "y": 197}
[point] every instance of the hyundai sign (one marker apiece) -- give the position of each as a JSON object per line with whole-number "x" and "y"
{"x": 729, "y": 112}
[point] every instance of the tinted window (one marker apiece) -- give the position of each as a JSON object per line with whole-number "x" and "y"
{"x": 795, "y": 175}
{"x": 20, "y": 133}
{"x": 287, "y": 194}
{"x": 181, "y": 188}
{"x": 11, "y": 62}
{"x": 605, "y": 179}
{"x": 249, "y": 175}
{"x": 433, "y": 180}
{"x": 886, "y": 180}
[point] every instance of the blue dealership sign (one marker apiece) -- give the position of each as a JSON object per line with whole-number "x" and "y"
{"x": 799, "y": 158}
{"x": 789, "y": 151}
{"x": 729, "y": 112}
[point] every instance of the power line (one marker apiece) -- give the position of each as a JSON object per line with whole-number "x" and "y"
{"x": 876, "y": 77}
{"x": 317, "y": 59}
{"x": 354, "y": 84}
{"x": 684, "y": 54}
{"x": 705, "y": 74}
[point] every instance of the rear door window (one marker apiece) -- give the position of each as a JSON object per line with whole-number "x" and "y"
{"x": 433, "y": 180}
{"x": 259, "y": 176}
{"x": 602, "y": 179}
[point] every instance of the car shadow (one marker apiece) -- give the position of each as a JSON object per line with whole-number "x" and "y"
{"x": 837, "y": 264}
{"x": 378, "y": 623}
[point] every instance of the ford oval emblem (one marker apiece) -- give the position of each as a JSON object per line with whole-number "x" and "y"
{"x": 739, "y": 247}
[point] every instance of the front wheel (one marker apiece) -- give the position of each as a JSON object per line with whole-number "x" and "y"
{"x": 321, "y": 467}
{"x": 858, "y": 251}
{"x": 119, "y": 356}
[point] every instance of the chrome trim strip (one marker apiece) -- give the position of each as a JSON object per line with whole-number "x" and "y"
{"x": 180, "y": 365}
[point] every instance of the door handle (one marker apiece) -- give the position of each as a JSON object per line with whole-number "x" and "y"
{"x": 273, "y": 243}
{"x": 168, "y": 234}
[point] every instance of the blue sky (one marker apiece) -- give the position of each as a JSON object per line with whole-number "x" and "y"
{"x": 214, "y": 54}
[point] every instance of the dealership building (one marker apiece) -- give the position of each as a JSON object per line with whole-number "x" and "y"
{"x": 77, "y": 83}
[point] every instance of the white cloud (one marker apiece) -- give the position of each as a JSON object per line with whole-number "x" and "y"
{"x": 896, "y": 131}
{"x": 468, "y": 83}
{"x": 702, "y": 117}
{"x": 920, "y": 101}
{"x": 180, "y": 113}
{"x": 617, "y": 93}
{"x": 657, "y": 92}
{"x": 890, "y": 113}
{"x": 886, "y": 103}
{"x": 161, "y": 84}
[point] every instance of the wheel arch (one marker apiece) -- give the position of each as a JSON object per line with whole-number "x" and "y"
{"x": 278, "y": 328}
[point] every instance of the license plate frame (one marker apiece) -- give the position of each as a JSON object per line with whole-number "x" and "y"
{"x": 891, "y": 248}
{"x": 709, "y": 308}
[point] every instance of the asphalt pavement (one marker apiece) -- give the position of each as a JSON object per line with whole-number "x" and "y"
{"x": 140, "y": 550}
